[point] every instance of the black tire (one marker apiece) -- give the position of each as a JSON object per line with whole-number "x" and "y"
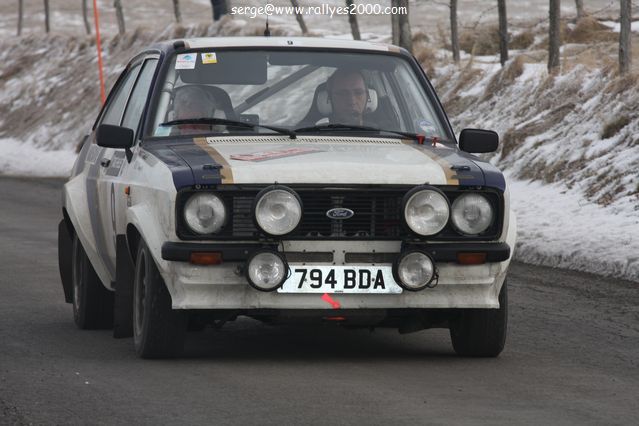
{"x": 158, "y": 330}
{"x": 92, "y": 302}
{"x": 481, "y": 332}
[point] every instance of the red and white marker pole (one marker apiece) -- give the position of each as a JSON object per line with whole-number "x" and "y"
{"x": 96, "y": 17}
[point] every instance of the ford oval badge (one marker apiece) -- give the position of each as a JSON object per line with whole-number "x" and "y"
{"x": 340, "y": 213}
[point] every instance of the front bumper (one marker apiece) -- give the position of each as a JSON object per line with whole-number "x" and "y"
{"x": 445, "y": 252}
{"x": 225, "y": 287}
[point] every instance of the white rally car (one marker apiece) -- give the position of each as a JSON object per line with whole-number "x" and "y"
{"x": 289, "y": 180}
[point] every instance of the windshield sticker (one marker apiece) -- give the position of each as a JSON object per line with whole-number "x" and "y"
{"x": 185, "y": 61}
{"x": 209, "y": 58}
{"x": 427, "y": 127}
{"x": 272, "y": 155}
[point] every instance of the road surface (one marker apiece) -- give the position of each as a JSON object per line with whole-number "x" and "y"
{"x": 571, "y": 357}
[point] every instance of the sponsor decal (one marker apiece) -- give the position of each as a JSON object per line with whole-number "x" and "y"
{"x": 272, "y": 155}
{"x": 185, "y": 61}
{"x": 340, "y": 213}
{"x": 209, "y": 58}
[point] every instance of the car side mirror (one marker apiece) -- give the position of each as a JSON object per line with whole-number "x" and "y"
{"x": 109, "y": 136}
{"x": 478, "y": 141}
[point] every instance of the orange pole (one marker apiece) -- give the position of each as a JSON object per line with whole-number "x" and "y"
{"x": 96, "y": 17}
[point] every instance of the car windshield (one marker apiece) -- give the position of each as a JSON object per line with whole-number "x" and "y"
{"x": 211, "y": 92}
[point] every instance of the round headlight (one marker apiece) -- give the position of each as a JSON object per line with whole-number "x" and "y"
{"x": 415, "y": 271}
{"x": 472, "y": 214}
{"x": 266, "y": 271}
{"x": 426, "y": 211}
{"x": 278, "y": 210}
{"x": 205, "y": 213}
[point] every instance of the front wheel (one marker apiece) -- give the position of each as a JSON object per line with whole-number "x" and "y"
{"x": 481, "y": 332}
{"x": 158, "y": 330}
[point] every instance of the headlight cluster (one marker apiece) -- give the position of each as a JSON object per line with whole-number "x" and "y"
{"x": 427, "y": 211}
{"x": 277, "y": 211}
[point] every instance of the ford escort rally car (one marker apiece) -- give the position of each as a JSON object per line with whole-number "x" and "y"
{"x": 288, "y": 180}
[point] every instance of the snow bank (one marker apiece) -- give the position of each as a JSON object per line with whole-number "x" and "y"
{"x": 559, "y": 228}
{"x": 24, "y": 159}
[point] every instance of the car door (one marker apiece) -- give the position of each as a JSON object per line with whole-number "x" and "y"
{"x": 111, "y": 114}
{"x": 111, "y": 182}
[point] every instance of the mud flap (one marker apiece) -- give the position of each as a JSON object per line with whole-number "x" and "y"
{"x": 123, "y": 306}
{"x": 65, "y": 250}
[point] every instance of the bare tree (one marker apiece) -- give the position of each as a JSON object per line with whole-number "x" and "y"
{"x": 176, "y": 11}
{"x": 299, "y": 17}
{"x": 454, "y": 36}
{"x": 352, "y": 19}
{"x": 554, "y": 35}
{"x": 119, "y": 13}
{"x": 579, "y": 4}
{"x": 625, "y": 52}
{"x": 47, "y": 27}
{"x": 220, "y": 7}
{"x": 405, "y": 34}
{"x": 395, "y": 23}
{"x": 503, "y": 32}
{"x": 85, "y": 16}
{"x": 20, "y": 10}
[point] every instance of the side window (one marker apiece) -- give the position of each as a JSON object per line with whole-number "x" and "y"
{"x": 135, "y": 107}
{"x": 115, "y": 109}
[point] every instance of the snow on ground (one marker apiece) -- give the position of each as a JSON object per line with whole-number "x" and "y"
{"x": 558, "y": 228}
{"x": 616, "y": 26}
{"x": 24, "y": 159}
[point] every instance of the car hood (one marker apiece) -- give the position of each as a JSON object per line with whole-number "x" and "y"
{"x": 318, "y": 160}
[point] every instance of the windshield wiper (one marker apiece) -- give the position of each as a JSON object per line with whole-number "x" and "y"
{"x": 340, "y": 126}
{"x": 225, "y": 122}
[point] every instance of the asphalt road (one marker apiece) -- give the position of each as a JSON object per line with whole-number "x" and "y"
{"x": 571, "y": 356}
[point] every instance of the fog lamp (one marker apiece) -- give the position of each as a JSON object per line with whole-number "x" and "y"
{"x": 266, "y": 270}
{"x": 414, "y": 270}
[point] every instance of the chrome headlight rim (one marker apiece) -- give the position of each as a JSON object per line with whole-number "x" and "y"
{"x": 287, "y": 270}
{"x": 409, "y": 196}
{"x": 184, "y": 206}
{"x": 260, "y": 196}
{"x": 456, "y": 226}
{"x": 396, "y": 274}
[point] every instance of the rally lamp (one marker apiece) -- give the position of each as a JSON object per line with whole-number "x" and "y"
{"x": 266, "y": 270}
{"x": 277, "y": 210}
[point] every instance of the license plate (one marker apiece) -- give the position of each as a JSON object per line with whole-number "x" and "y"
{"x": 340, "y": 279}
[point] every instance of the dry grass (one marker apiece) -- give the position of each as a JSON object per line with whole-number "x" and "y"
{"x": 484, "y": 41}
{"x": 424, "y": 52}
{"x": 611, "y": 128}
{"x": 623, "y": 84}
{"x": 523, "y": 40}
{"x": 505, "y": 76}
{"x": 591, "y": 57}
{"x": 588, "y": 30}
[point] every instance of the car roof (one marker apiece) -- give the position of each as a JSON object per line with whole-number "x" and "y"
{"x": 279, "y": 42}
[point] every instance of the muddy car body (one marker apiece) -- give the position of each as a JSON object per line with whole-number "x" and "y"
{"x": 267, "y": 204}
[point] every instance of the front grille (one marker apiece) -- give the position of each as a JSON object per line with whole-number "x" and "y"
{"x": 377, "y": 215}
